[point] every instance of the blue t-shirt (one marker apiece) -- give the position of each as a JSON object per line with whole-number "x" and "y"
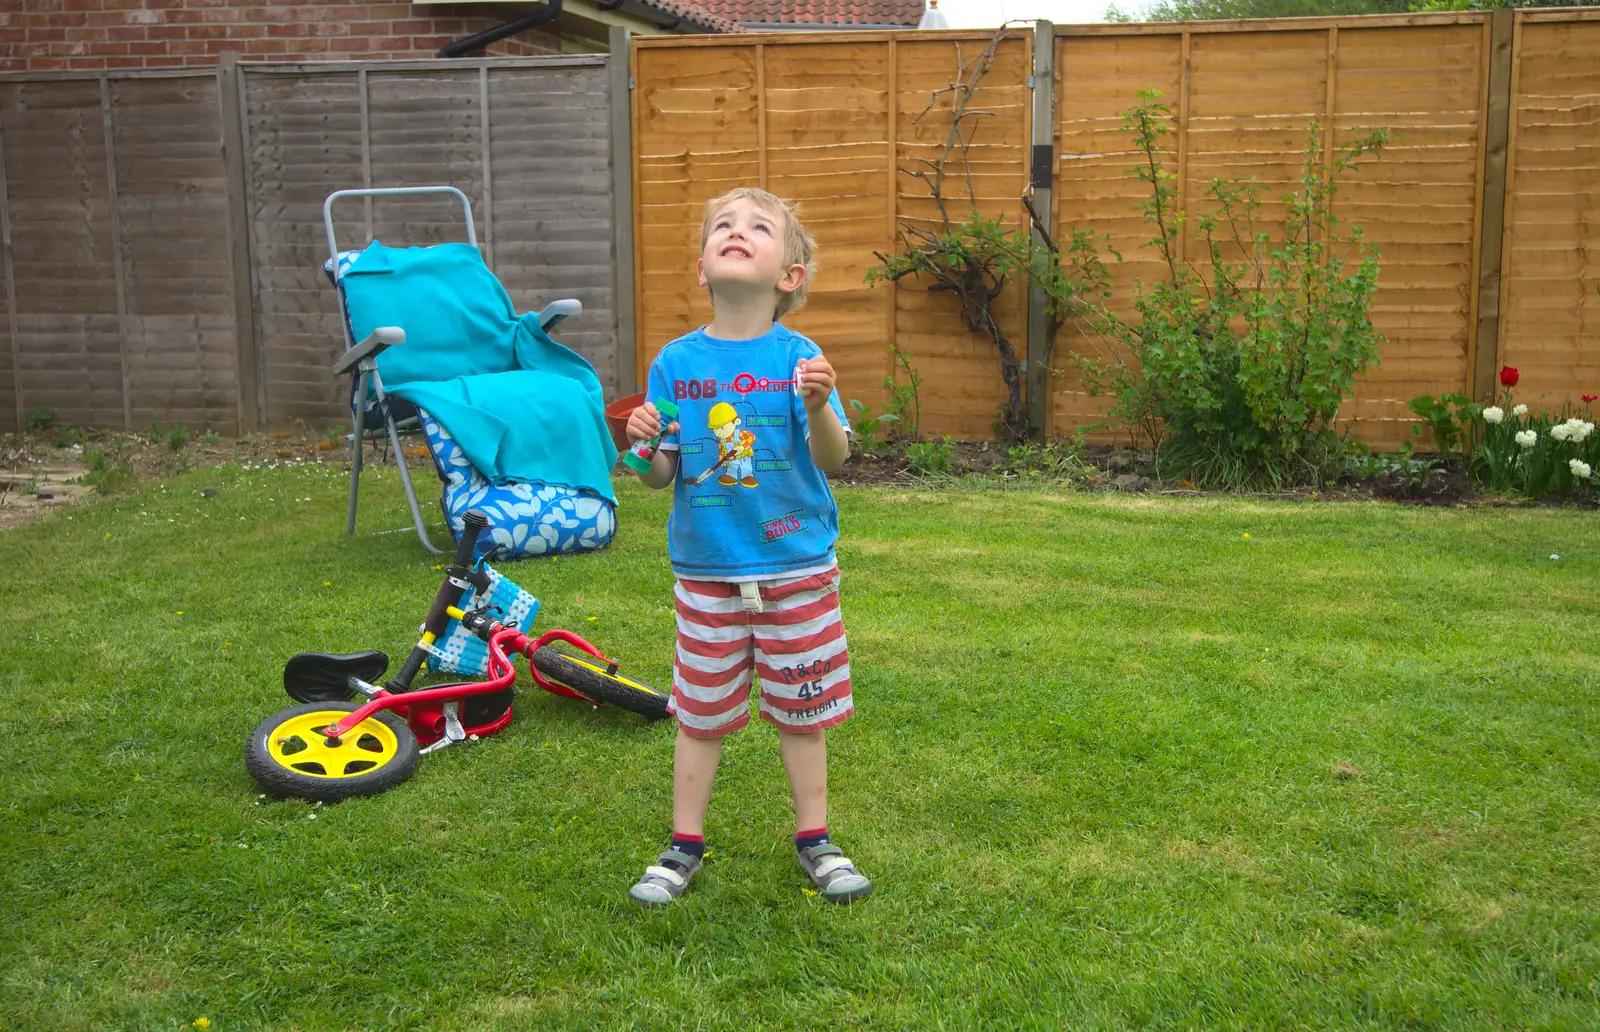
{"x": 748, "y": 503}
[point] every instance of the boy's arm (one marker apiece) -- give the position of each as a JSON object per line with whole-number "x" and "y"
{"x": 663, "y": 468}
{"x": 829, "y": 444}
{"x": 643, "y": 425}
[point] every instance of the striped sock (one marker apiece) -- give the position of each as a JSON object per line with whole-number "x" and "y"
{"x": 812, "y": 837}
{"x": 694, "y": 845}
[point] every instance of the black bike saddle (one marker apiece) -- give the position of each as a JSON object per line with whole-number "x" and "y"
{"x": 325, "y": 677}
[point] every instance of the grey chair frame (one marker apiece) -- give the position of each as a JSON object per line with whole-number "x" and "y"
{"x": 363, "y": 356}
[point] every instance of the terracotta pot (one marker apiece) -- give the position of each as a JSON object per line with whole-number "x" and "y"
{"x": 617, "y": 414}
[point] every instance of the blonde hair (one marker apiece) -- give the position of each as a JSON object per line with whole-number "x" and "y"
{"x": 799, "y": 248}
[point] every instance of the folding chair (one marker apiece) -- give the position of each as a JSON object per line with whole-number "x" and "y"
{"x": 374, "y": 413}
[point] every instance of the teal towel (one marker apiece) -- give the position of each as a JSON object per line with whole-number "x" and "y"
{"x": 523, "y": 408}
{"x": 526, "y": 426}
{"x": 459, "y": 320}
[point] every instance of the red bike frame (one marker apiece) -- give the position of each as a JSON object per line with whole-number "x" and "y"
{"x": 424, "y": 708}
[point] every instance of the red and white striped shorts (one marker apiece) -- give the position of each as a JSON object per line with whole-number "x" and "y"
{"x": 796, "y": 646}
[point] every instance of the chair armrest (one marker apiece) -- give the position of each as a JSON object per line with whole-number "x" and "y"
{"x": 380, "y": 338}
{"x": 555, "y": 311}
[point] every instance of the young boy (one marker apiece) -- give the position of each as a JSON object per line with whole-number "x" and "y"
{"x": 751, "y": 534}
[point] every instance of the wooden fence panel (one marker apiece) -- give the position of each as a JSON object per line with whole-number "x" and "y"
{"x": 827, "y": 138}
{"x": 303, "y": 140}
{"x": 831, "y": 122}
{"x": 172, "y": 203}
{"x": 527, "y": 142}
{"x": 962, "y": 392}
{"x": 1097, "y": 79}
{"x": 1241, "y": 102}
{"x": 553, "y": 223}
{"x": 1550, "y": 314}
{"x": 697, "y": 134}
{"x": 58, "y": 195}
{"x": 1420, "y": 204}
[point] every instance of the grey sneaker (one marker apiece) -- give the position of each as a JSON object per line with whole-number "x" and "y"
{"x": 835, "y": 877}
{"x": 661, "y": 884}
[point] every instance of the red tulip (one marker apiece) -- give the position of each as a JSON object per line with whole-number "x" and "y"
{"x": 1509, "y": 376}
{"x": 1590, "y": 397}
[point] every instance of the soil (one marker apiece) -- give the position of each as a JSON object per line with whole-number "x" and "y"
{"x": 43, "y": 472}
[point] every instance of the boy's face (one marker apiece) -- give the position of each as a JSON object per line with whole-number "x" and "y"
{"x": 744, "y": 252}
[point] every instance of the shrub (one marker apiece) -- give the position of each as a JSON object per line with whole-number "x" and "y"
{"x": 1236, "y": 377}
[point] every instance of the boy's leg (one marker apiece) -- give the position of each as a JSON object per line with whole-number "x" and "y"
{"x": 710, "y": 698}
{"x": 694, "y": 767}
{"x": 803, "y": 661}
{"x": 805, "y": 760}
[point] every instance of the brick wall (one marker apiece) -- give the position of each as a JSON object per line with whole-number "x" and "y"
{"x": 38, "y": 35}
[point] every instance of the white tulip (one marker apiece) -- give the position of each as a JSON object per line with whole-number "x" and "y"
{"x": 1527, "y": 438}
{"x": 1519, "y": 411}
{"x": 1494, "y": 414}
{"x": 1561, "y": 431}
{"x": 1580, "y": 469}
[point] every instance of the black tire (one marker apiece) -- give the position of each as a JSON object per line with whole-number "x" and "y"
{"x": 381, "y": 756}
{"x": 586, "y": 675}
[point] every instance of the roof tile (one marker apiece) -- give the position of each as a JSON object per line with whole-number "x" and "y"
{"x": 818, "y": 12}
{"x": 706, "y": 14}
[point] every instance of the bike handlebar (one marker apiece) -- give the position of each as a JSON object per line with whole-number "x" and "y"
{"x": 449, "y": 594}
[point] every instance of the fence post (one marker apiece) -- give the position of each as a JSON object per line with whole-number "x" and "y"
{"x": 9, "y": 266}
{"x": 620, "y": 98}
{"x": 1041, "y": 181}
{"x": 244, "y": 322}
{"x": 1485, "y": 348}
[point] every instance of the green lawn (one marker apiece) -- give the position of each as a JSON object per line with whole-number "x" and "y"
{"x": 1116, "y": 765}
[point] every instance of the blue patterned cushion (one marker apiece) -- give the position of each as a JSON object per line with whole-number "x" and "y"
{"x": 524, "y": 519}
{"x": 458, "y": 650}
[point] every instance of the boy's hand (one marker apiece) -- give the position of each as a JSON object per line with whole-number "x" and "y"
{"x": 645, "y": 423}
{"x": 817, "y": 381}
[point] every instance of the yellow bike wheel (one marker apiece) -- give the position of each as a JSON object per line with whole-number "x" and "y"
{"x": 290, "y": 756}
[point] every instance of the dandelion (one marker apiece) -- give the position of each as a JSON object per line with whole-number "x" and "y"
{"x": 202, "y": 1022}
{"x": 327, "y": 583}
{"x": 809, "y": 892}
{"x": 438, "y": 566}
{"x": 1247, "y": 535}
{"x": 180, "y": 612}
{"x": 1580, "y": 469}
{"x": 1494, "y": 414}
{"x": 1527, "y": 438}
{"x": 108, "y": 533}
{"x": 1519, "y": 410}
{"x": 591, "y": 619}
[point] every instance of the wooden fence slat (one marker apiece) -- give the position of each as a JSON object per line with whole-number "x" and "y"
{"x": 233, "y": 151}
{"x": 116, "y": 246}
{"x": 8, "y": 266}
